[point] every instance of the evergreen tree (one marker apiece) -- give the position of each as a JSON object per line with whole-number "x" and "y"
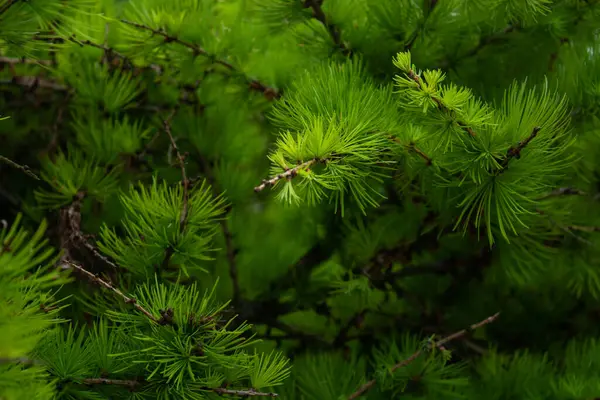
{"x": 304, "y": 199}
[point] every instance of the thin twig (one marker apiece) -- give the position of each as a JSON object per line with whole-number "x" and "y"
{"x": 73, "y": 217}
{"x": 413, "y": 37}
{"x": 243, "y": 393}
{"x": 117, "y": 382}
{"x": 6, "y": 6}
{"x": 23, "y": 60}
{"x": 288, "y": 174}
{"x": 439, "y": 103}
{"x": 23, "y": 168}
{"x": 34, "y": 82}
{"x": 515, "y": 151}
{"x": 564, "y": 191}
{"x": 319, "y": 15}
{"x": 197, "y": 50}
{"x": 369, "y": 385}
{"x": 67, "y": 264}
{"x": 184, "y": 179}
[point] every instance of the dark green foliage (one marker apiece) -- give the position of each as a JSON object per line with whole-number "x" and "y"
{"x": 205, "y": 199}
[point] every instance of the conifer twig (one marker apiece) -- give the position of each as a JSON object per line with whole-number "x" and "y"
{"x": 197, "y": 50}
{"x": 72, "y": 214}
{"x": 483, "y": 43}
{"x": 439, "y": 103}
{"x": 320, "y": 16}
{"x": 34, "y": 82}
{"x": 6, "y": 6}
{"x": 515, "y": 151}
{"x": 116, "y": 382}
{"x": 132, "y": 384}
{"x": 243, "y": 393}
{"x": 369, "y": 385}
{"x": 564, "y": 191}
{"x": 288, "y": 174}
{"x": 413, "y": 37}
{"x": 23, "y": 60}
{"x": 67, "y": 264}
{"x": 184, "y": 179}
{"x": 23, "y": 168}
{"x": 229, "y": 247}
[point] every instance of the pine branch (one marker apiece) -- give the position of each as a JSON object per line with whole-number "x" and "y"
{"x": 72, "y": 218}
{"x": 24, "y": 168}
{"x": 133, "y": 384}
{"x": 288, "y": 174}
{"x": 115, "y": 382}
{"x": 33, "y": 82}
{"x": 484, "y": 42}
{"x": 413, "y": 37}
{"x": 67, "y": 264}
{"x": 319, "y": 15}
{"x": 197, "y": 51}
{"x": 243, "y": 393}
{"x": 6, "y": 6}
{"x": 369, "y": 385}
{"x": 412, "y": 147}
{"x": 110, "y": 53}
{"x": 23, "y": 60}
{"x": 229, "y": 247}
{"x": 564, "y": 191}
{"x": 184, "y": 179}
{"x": 355, "y": 321}
{"x": 515, "y": 151}
{"x": 439, "y": 103}
{"x": 19, "y": 360}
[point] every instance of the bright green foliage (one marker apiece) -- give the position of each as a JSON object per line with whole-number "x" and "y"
{"x": 204, "y": 199}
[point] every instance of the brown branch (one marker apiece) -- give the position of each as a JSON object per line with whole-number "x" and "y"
{"x": 229, "y": 247}
{"x": 439, "y": 103}
{"x": 411, "y": 146}
{"x": 6, "y": 6}
{"x": 242, "y": 393}
{"x": 288, "y": 174}
{"x": 23, "y": 168}
{"x": 320, "y": 16}
{"x": 515, "y": 151}
{"x": 23, "y": 60}
{"x": 564, "y": 191}
{"x": 369, "y": 385}
{"x": 72, "y": 219}
{"x": 197, "y": 50}
{"x": 34, "y": 82}
{"x": 133, "y": 384}
{"x": 67, "y": 264}
{"x": 117, "y": 382}
{"x": 184, "y": 179}
{"x": 483, "y": 43}
{"x": 413, "y": 37}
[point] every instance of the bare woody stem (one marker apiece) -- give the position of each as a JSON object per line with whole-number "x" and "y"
{"x": 319, "y": 15}
{"x": 243, "y": 393}
{"x": 23, "y": 168}
{"x": 439, "y": 103}
{"x": 369, "y": 385}
{"x": 181, "y": 160}
{"x": 288, "y": 174}
{"x": 6, "y": 6}
{"x": 16, "y": 61}
{"x": 411, "y": 146}
{"x": 116, "y": 382}
{"x": 67, "y": 264}
{"x": 132, "y": 384}
{"x": 515, "y": 151}
{"x": 197, "y": 51}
